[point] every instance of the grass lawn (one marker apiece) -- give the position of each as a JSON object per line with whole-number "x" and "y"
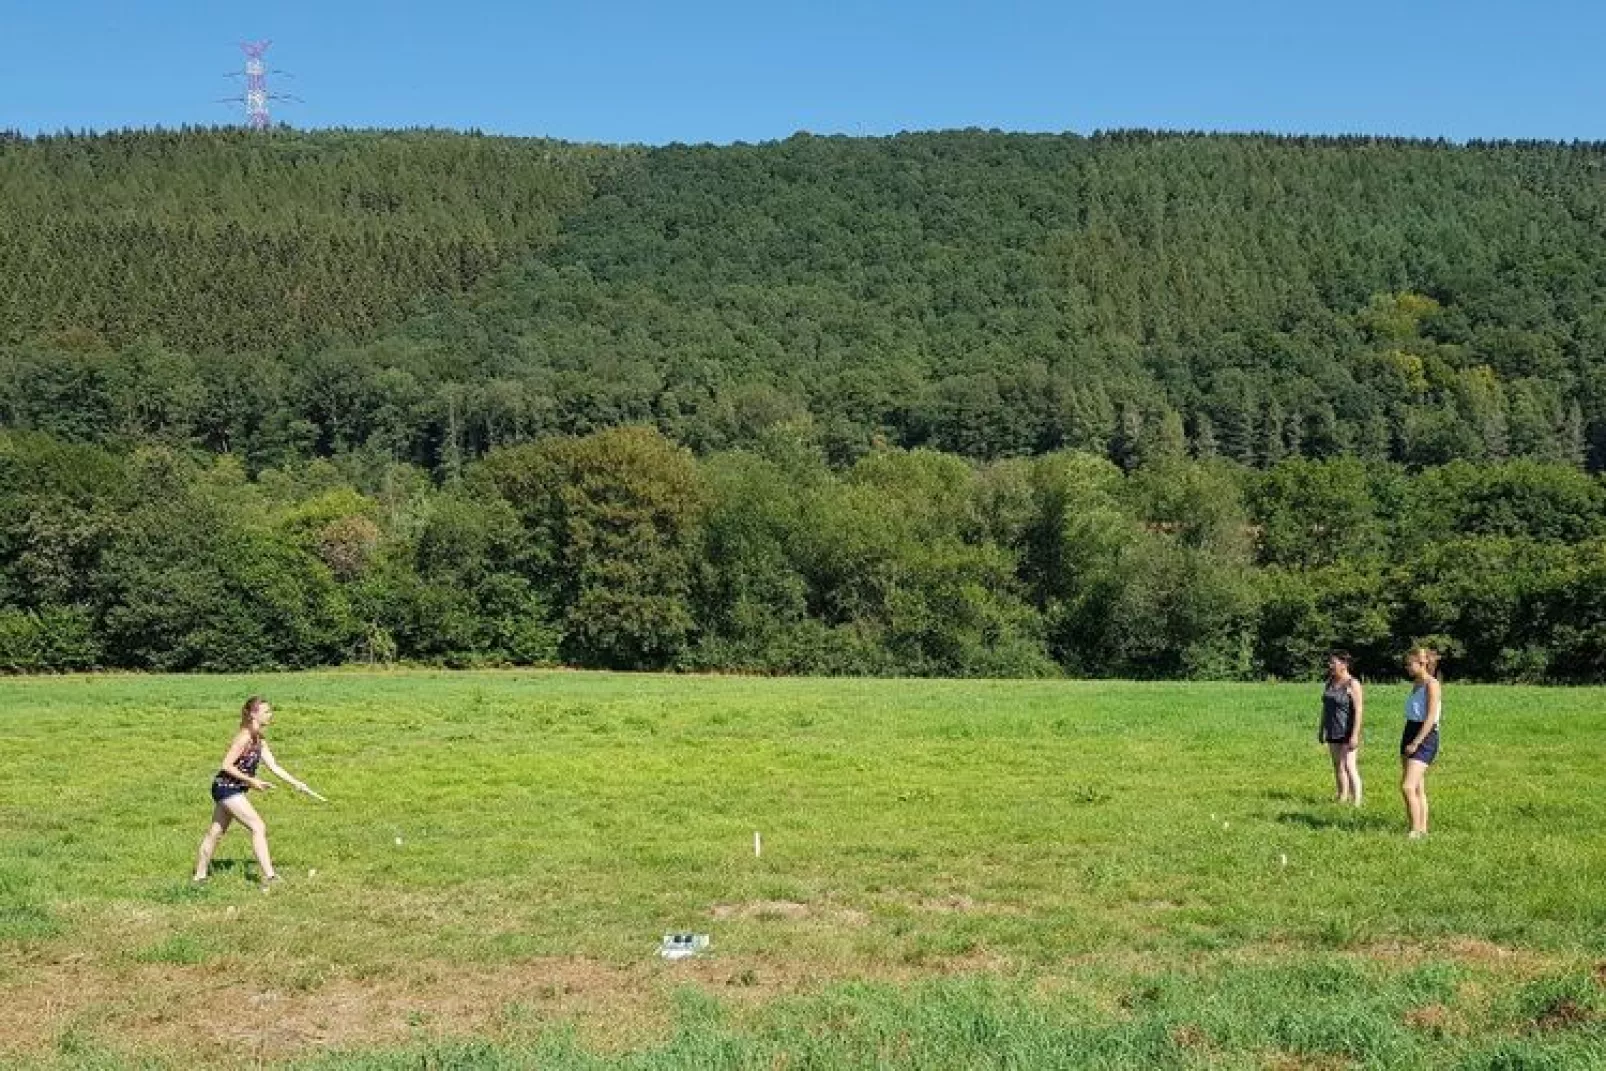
{"x": 954, "y": 874}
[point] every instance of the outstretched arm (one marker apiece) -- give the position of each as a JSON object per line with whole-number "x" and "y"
{"x": 289, "y": 778}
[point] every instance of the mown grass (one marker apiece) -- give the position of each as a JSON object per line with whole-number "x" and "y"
{"x": 954, "y": 874}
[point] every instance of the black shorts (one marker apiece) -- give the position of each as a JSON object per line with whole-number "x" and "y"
{"x": 1429, "y": 749}
{"x": 222, "y": 790}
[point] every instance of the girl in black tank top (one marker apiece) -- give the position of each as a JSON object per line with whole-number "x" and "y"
{"x": 1342, "y": 712}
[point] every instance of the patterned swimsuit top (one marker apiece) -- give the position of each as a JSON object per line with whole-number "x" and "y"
{"x": 247, "y": 762}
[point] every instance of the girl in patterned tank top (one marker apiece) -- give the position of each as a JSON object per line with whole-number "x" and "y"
{"x": 236, "y": 777}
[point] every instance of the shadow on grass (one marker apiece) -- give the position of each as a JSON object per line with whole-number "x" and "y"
{"x": 224, "y": 873}
{"x": 228, "y": 871}
{"x": 1303, "y": 799}
{"x": 1350, "y": 821}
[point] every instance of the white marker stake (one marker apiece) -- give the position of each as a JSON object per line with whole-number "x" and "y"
{"x": 758, "y": 844}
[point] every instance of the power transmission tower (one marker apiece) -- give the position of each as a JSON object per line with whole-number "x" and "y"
{"x": 256, "y": 96}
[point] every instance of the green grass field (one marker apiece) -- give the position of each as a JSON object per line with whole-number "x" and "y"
{"x": 954, "y": 874}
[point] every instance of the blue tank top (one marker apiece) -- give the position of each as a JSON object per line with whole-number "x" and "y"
{"x": 1416, "y": 705}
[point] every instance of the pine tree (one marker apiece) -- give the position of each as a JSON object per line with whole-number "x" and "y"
{"x": 1574, "y": 445}
{"x": 1204, "y": 437}
{"x": 1272, "y": 429}
{"x": 1162, "y": 439}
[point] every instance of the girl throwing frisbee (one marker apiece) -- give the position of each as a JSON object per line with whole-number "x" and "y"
{"x": 234, "y": 779}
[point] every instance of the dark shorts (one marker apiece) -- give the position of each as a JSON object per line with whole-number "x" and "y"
{"x": 222, "y": 790}
{"x": 1430, "y": 746}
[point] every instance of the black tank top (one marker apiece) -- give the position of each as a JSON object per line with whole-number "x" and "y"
{"x": 1338, "y": 711}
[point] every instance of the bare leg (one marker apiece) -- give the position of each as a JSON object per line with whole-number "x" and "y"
{"x": 214, "y": 833}
{"x": 1415, "y": 793}
{"x": 1352, "y": 768}
{"x": 1408, "y": 794}
{"x": 1340, "y": 774}
{"x": 247, "y": 816}
{"x": 1422, "y": 795}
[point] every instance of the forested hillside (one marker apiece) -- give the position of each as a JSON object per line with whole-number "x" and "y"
{"x": 985, "y": 294}
{"x": 963, "y": 403}
{"x": 233, "y": 240}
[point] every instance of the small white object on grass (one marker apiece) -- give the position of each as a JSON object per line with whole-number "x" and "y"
{"x": 682, "y": 945}
{"x": 1224, "y": 825}
{"x": 312, "y": 873}
{"x": 758, "y": 844}
{"x": 398, "y": 842}
{"x": 1283, "y": 859}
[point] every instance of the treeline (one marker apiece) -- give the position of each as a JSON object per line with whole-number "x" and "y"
{"x": 622, "y": 549}
{"x": 431, "y": 297}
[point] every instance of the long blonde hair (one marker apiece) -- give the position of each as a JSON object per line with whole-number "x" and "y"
{"x": 1428, "y": 657}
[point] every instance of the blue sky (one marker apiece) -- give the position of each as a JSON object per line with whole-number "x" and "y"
{"x": 722, "y": 71}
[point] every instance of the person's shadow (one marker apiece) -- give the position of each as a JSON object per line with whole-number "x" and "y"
{"x": 1349, "y": 820}
{"x": 231, "y": 869}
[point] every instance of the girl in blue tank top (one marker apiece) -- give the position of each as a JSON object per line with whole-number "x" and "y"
{"x": 1419, "y": 743}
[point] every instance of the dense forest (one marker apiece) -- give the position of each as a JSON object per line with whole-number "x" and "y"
{"x": 960, "y": 403}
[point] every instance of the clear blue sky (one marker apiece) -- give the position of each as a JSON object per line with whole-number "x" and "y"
{"x": 593, "y": 70}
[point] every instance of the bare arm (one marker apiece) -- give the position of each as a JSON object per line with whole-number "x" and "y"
{"x": 1430, "y": 722}
{"x": 273, "y": 764}
{"x": 286, "y": 775}
{"x": 1358, "y": 699}
{"x": 242, "y": 740}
